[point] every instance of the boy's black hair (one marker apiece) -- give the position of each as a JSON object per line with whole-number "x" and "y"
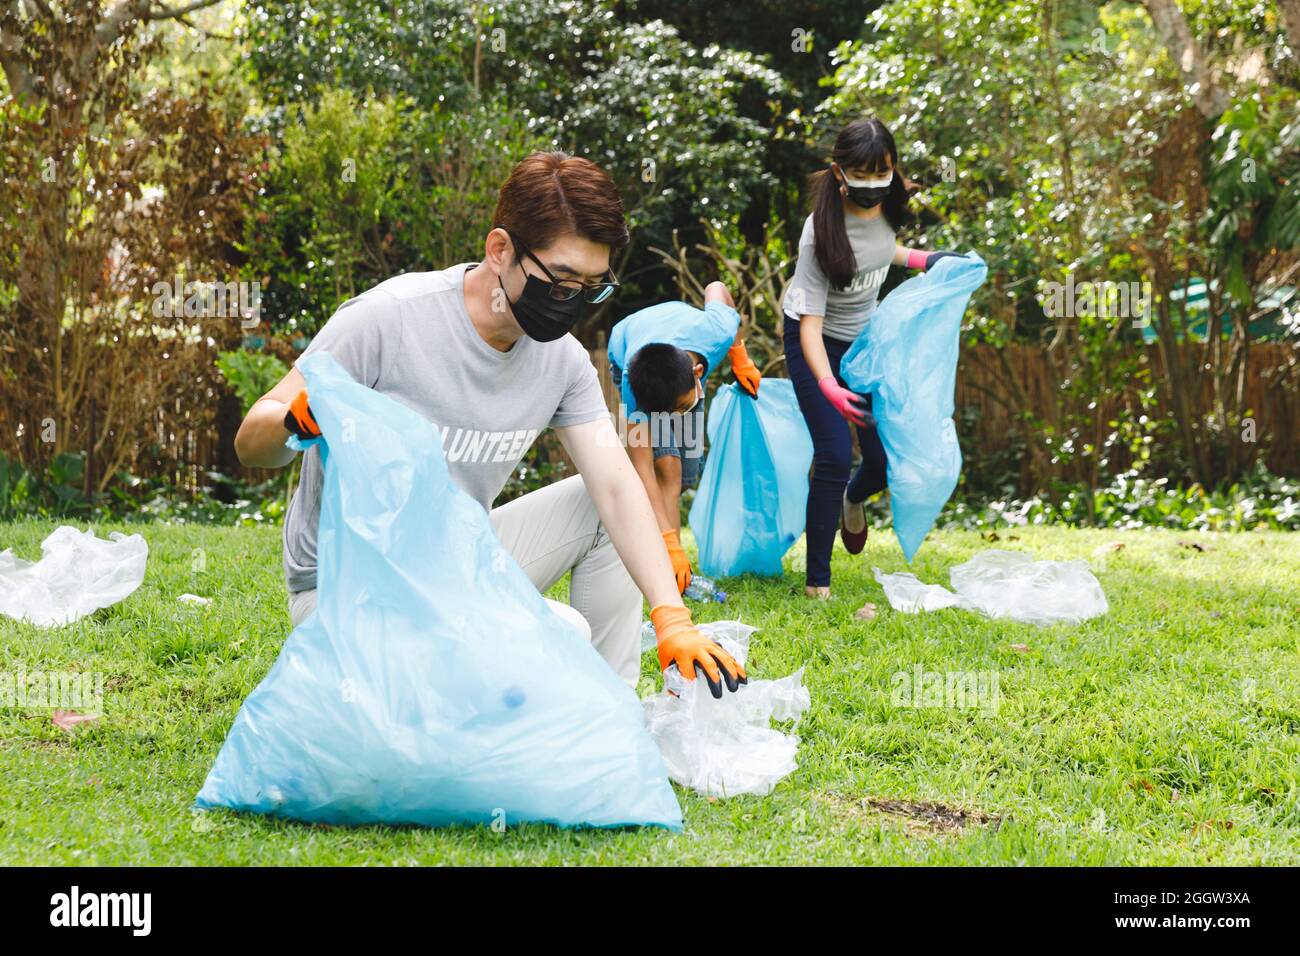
{"x": 659, "y": 375}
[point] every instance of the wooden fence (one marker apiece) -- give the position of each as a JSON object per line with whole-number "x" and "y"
{"x": 189, "y": 445}
{"x": 989, "y": 415}
{"x": 1272, "y": 398}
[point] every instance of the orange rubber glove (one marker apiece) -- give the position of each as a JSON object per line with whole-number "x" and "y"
{"x": 681, "y": 643}
{"x": 743, "y": 367}
{"x": 681, "y": 563}
{"x": 298, "y": 419}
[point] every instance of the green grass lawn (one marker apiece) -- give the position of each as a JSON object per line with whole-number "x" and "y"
{"x": 1166, "y": 732}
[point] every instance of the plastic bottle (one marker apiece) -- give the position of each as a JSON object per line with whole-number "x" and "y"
{"x": 702, "y": 589}
{"x": 649, "y": 640}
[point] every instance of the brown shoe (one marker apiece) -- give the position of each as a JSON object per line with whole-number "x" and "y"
{"x": 853, "y": 542}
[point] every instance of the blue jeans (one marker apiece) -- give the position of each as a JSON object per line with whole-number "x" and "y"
{"x": 686, "y": 442}
{"x": 832, "y": 453}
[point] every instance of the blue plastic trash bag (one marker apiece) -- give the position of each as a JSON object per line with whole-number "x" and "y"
{"x": 906, "y": 356}
{"x": 432, "y": 685}
{"x": 753, "y": 496}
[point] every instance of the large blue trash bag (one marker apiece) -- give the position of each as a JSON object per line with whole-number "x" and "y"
{"x": 906, "y": 356}
{"x": 432, "y": 685}
{"x": 752, "y": 501}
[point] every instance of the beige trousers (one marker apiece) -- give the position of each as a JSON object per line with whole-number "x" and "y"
{"x": 552, "y": 531}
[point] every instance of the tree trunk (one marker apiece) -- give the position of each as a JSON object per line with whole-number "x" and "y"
{"x": 1188, "y": 56}
{"x": 1176, "y": 393}
{"x": 1289, "y": 13}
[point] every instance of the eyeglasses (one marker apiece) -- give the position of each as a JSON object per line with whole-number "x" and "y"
{"x": 563, "y": 290}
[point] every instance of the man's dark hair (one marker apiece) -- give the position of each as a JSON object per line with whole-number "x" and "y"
{"x": 659, "y": 375}
{"x": 551, "y": 194}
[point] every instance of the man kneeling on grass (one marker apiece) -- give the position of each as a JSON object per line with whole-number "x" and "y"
{"x": 483, "y": 351}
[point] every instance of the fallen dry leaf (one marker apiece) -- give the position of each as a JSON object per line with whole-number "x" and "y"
{"x": 866, "y": 613}
{"x": 1213, "y": 825}
{"x": 1020, "y": 648}
{"x": 69, "y": 719}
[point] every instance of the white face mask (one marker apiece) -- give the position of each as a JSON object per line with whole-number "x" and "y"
{"x": 874, "y": 183}
{"x": 699, "y": 397}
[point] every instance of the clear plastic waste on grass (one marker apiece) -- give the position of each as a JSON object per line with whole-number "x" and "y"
{"x": 1005, "y": 584}
{"x": 906, "y": 356}
{"x": 77, "y": 574}
{"x": 727, "y": 747}
{"x": 753, "y": 495}
{"x": 433, "y": 684}
{"x": 907, "y": 593}
{"x": 1012, "y": 584}
{"x": 703, "y": 589}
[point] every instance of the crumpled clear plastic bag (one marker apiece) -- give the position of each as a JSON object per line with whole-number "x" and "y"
{"x": 727, "y": 747}
{"x": 433, "y": 684}
{"x": 1005, "y": 584}
{"x": 753, "y": 496}
{"x": 907, "y": 357}
{"x": 907, "y": 593}
{"x": 77, "y": 574}
{"x": 1012, "y": 584}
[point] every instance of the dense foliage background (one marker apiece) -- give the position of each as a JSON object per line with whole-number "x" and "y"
{"x": 312, "y": 149}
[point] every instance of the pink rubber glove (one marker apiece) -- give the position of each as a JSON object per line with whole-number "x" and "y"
{"x": 846, "y": 403}
{"x": 920, "y": 259}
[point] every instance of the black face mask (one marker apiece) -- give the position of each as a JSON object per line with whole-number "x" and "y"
{"x": 543, "y": 318}
{"x": 868, "y": 197}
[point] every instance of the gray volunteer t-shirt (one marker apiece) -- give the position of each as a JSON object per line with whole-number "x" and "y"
{"x": 847, "y": 310}
{"x": 411, "y": 339}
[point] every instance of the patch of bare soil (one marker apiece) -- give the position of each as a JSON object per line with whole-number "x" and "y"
{"x": 920, "y": 816}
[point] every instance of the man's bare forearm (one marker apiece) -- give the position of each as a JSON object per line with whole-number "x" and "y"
{"x": 642, "y": 457}
{"x": 625, "y": 510}
{"x": 261, "y": 438}
{"x": 622, "y": 501}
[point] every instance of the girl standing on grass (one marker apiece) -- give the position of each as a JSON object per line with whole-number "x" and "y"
{"x": 847, "y": 247}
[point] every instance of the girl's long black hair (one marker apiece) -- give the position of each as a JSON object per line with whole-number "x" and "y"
{"x": 862, "y": 144}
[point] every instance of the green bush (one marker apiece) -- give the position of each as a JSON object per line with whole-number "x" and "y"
{"x": 251, "y": 374}
{"x": 58, "y": 491}
{"x": 220, "y": 500}
{"x": 1262, "y": 500}
{"x": 363, "y": 189}
{"x": 685, "y": 122}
